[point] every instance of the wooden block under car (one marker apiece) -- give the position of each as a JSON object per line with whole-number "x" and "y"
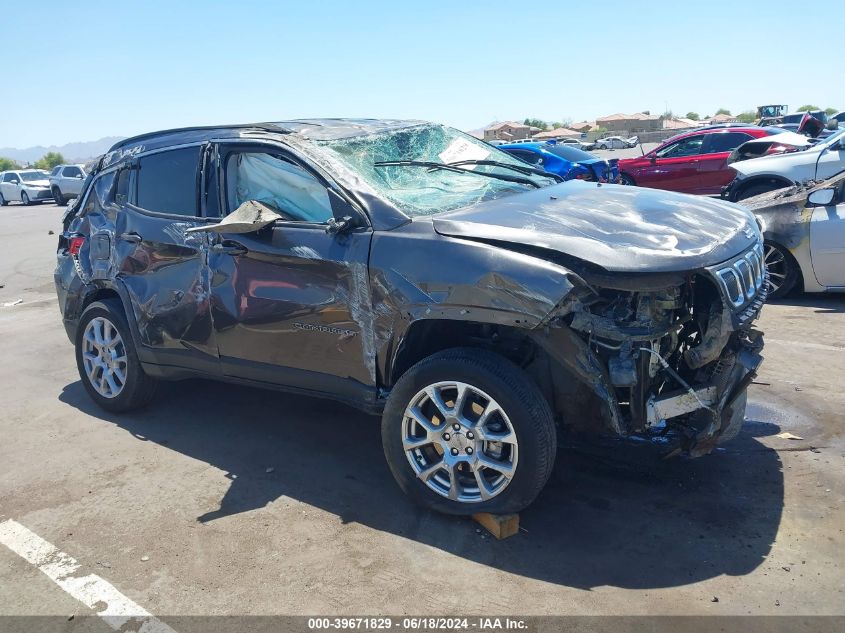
{"x": 499, "y": 525}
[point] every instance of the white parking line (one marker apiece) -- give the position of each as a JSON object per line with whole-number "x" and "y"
{"x": 90, "y": 590}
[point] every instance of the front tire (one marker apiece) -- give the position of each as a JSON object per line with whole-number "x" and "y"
{"x": 782, "y": 268}
{"x": 3, "y": 201}
{"x": 25, "y": 198}
{"x": 107, "y": 361}
{"x": 467, "y": 431}
{"x": 758, "y": 189}
{"x": 625, "y": 179}
{"x": 58, "y": 197}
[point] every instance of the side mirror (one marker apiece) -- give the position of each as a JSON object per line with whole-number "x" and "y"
{"x": 821, "y": 197}
{"x": 251, "y": 216}
{"x": 652, "y": 158}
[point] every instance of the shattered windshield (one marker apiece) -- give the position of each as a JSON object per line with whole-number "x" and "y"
{"x": 418, "y": 189}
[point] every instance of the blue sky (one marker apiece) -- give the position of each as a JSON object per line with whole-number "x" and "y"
{"x": 121, "y": 68}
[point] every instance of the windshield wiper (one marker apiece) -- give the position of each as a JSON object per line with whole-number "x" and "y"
{"x": 451, "y": 167}
{"x": 523, "y": 169}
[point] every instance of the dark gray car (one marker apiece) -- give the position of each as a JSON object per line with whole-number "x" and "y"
{"x": 475, "y": 302}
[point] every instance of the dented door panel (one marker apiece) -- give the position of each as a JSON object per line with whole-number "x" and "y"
{"x": 294, "y": 308}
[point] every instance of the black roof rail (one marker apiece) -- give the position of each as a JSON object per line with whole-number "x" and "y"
{"x": 271, "y": 127}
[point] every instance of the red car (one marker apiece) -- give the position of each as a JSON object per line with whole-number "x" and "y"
{"x": 693, "y": 162}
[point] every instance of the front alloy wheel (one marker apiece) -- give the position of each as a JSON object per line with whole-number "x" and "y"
{"x": 466, "y": 430}
{"x": 782, "y": 269}
{"x": 460, "y": 442}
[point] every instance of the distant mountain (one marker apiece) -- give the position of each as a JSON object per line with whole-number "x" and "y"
{"x": 73, "y": 152}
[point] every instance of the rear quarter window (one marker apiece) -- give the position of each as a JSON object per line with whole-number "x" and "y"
{"x": 167, "y": 181}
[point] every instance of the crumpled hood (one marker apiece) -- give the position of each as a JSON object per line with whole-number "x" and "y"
{"x": 619, "y": 228}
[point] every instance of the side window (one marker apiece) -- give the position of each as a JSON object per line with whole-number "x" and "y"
{"x": 529, "y": 157}
{"x": 685, "y": 147}
{"x": 7, "y": 178}
{"x": 55, "y": 171}
{"x": 167, "y": 181}
{"x": 72, "y": 172}
{"x": 726, "y": 141}
{"x": 98, "y": 193}
{"x": 123, "y": 187}
{"x": 278, "y": 183}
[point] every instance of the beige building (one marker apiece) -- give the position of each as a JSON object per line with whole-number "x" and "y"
{"x": 556, "y": 133}
{"x": 507, "y": 131}
{"x": 630, "y": 123}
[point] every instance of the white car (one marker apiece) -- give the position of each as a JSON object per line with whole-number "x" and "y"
{"x": 767, "y": 173}
{"x": 804, "y": 232}
{"x": 25, "y": 186}
{"x": 617, "y": 142}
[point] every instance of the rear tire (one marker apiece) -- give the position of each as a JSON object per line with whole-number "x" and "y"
{"x": 111, "y": 372}
{"x": 782, "y": 268}
{"x": 58, "y": 197}
{"x": 501, "y": 402}
{"x": 625, "y": 179}
{"x": 3, "y": 201}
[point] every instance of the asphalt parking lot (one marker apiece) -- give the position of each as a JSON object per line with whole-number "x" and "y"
{"x": 229, "y": 500}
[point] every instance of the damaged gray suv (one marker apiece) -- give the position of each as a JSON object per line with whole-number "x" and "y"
{"x": 478, "y": 304}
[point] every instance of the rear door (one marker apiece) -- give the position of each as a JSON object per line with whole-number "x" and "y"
{"x": 162, "y": 267}
{"x": 713, "y": 169}
{"x": 291, "y": 302}
{"x": 674, "y": 167}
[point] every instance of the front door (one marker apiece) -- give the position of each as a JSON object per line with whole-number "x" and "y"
{"x": 827, "y": 242}
{"x": 291, "y": 302}
{"x": 713, "y": 169}
{"x": 674, "y": 167}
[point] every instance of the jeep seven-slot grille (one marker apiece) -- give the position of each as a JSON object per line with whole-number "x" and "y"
{"x": 742, "y": 279}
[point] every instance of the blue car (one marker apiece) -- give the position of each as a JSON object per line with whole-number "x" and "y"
{"x": 567, "y": 162}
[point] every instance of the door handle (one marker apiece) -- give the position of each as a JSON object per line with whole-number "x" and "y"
{"x": 132, "y": 237}
{"x": 229, "y": 248}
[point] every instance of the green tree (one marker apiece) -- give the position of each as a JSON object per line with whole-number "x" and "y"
{"x": 723, "y": 111}
{"x": 830, "y": 111}
{"x": 8, "y": 163}
{"x": 536, "y": 123}
{"x": 748, "y": 116}
{"x": 49, "y": 160}
{"x": 807, "y": 108}
{"x": 693, "y": 116}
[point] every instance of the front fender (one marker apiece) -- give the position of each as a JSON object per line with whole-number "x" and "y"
{"x": 417, "y": 274}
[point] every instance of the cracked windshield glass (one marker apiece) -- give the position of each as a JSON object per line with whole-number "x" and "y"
{"x": 417, "y": 185}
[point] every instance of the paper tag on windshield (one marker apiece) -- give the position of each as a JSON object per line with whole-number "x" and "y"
{"x": 462, "y": 149}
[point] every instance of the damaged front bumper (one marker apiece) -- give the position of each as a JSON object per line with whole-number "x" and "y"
{"x": 671, "y": 359}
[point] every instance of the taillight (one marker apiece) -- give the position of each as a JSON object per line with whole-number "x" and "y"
{"x": 75, "y": 245}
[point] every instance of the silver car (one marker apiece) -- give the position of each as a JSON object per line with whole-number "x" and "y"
{"x": 66, "y": 182}
{"x": 25, "y": 186}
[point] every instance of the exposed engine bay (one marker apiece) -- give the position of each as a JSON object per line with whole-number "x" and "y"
{"x": 673, "y": 354}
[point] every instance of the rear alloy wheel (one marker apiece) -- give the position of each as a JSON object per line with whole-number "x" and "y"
{"x": 25, "y": 198}
{"x": 467, "y": 431}
{"x": 782, "y": 270}
{"x": 107, "y": 361}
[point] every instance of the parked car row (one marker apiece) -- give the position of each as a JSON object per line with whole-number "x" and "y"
{"x": 33, "y": 186}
